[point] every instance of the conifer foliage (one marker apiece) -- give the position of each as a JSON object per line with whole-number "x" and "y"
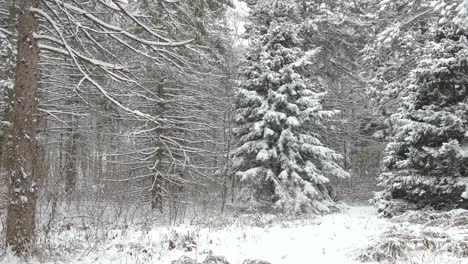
{"x": 426, "y": 162}
{"x": 280, "y": 157}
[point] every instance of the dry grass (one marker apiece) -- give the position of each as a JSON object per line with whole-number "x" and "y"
{"x": 415, "y": 234}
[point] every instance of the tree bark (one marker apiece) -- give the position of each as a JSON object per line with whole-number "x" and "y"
{"x": 156, "y": 179}
{"x": 71, "y": 158}
{"x": 21, "y": 170}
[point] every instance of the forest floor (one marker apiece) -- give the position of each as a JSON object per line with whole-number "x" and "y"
{"x": 354, "y": 235}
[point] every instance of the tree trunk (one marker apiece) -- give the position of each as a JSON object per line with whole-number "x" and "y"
{"x": 71, "y": 158}
{"x": 21, "y": 170}
{"x": 156, "y": 179}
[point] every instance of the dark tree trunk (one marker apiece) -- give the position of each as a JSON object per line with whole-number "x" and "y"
{"x": 71, "y": 158}
{"x": 156, "y": 179}
{"x": 21, "y": 170}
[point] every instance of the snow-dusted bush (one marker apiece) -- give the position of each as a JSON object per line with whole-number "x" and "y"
{"x": 415, "y": 234}
{"x": 184, "y": 260}
{"x": 255, "y": 261}
{"x": 183, "y": 241}
{"x": 215, "y": 260}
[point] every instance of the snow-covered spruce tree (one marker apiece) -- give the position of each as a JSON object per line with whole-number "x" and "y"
{"x": 426, "y": 162}
{"x": 280, "y": 159}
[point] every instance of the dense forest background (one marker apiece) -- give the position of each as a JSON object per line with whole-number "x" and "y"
{"x": 163, "y": 111}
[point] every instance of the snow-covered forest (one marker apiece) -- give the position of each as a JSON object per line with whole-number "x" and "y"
{"x": 234, "y": 132}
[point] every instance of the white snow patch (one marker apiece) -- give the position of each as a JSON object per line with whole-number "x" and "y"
{"x": 333, "y": 238}
{"x": 465, "y": 194}
{"x": 464, "y": 150}
{"x": 263, "y": 155}
{"x": 23, "y": 199}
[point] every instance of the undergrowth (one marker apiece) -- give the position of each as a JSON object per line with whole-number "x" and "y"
{"x": 422, "y": 237}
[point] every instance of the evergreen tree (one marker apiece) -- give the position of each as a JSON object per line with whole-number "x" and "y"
{"x": 400, "y": 27}
{"x": 426, "y": 162}
{"x": 280, "y": 158}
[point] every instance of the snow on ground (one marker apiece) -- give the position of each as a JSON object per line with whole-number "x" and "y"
{"x": 422, "y": 236}
{"x": 334, "y": 238}
{"x": 354, "y": 234}
{"x": 331, "y": 239}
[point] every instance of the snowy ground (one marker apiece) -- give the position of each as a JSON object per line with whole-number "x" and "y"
{"x": 331, "y": 239}
{"x": 336, "y": 238}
